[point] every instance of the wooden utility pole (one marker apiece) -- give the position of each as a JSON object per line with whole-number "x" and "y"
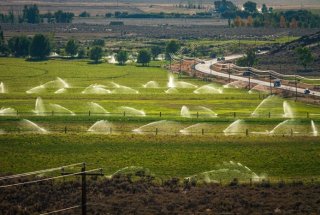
{"x": 296, "y": 84}
{"x": 229, "y": 73}
{"x": 84, "y": 175}
{"x": 270, "y": 84}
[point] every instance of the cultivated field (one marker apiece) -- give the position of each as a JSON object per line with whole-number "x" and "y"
{"x": 115, "y": 116}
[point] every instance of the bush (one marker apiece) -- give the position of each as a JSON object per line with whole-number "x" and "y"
{"x": 96, "y": 54}
{"x": 144, "y": 57}
{"x": 40, "y": 47}
{"x": 122, "y": 57}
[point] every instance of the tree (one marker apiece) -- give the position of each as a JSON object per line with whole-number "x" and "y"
{"x": 249, "y": 21}
{"x": 293, "y": 23}
{"x": 283, "y": 23}
{"x": 81, "y": 53}
{"x": 225, "y": 6}
{"x": 237, "y": 22}
{"x": 1, "y": 37}
{"x": 305, "y": 56}
{"x": 250, "y": 59}
{"x": 250, "y": 7}
{"x": 122, "y": 57}
{"x": 96, "y": 54}
{"x": 98, "y": 42}
{"x": 19, "y": 46}
{"x": 264, "y": 9}
{"x": 172, "y": 47}
{"x": 4, "y": 50}
{"x": 84, "y": 14}
{"x": 40, "y": 46}
{"x": 63, "y": 17}
{"x": 31, "y": 14}
{"x": 144, "y": 57}
{"x": 72, "y": 47}
{"x": 155, "y": 51}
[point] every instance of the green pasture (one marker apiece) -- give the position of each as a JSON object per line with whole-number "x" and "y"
{"x": 164, "y": 150}
{"x": 165, "y": 156}
{"x": 20, "y": 76}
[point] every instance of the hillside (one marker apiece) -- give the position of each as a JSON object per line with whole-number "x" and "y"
{"x": 284, "y": 59}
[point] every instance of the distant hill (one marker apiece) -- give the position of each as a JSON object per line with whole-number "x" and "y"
{"x": 284, "y": 59}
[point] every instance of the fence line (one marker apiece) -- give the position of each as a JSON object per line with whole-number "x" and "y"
{"x": 157, "y": 131}
{"x": 161, "y": 114}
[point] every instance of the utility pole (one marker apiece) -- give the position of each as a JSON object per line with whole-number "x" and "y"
{"x": 250, "y": 81}
{"x": 170, "y": 61}
{"x": 296, "y": 84}
{"x": 84, "y": 175}
{"x": 270, "y": 84}
{"x": 229, "y": 73}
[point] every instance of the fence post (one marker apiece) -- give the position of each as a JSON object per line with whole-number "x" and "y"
{"x": 65, "y": 129}
{"x": 84, "y": 190}
{"x": 17, "y": 113}
{"x": 156, "y": 131}
{"x": 269, "y": 115}
{"x": 89, "y": 113}
{"x": 247, "y": 132}
{"x": 202, "y": 131}
{"x": 160, "y": 114}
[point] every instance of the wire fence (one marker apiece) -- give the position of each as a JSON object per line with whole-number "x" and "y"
{"x": 159, "y": 132}
{"x": 144, "y": 209}
{"x": 162, "y": 114}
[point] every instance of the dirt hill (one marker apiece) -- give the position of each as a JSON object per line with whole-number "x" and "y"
{"x": 284, "y": 59}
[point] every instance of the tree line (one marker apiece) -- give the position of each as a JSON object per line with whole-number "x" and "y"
{"x": 31, "y": 14}
{"x": 40, "y": 46}
{"x": 250, "y": 16}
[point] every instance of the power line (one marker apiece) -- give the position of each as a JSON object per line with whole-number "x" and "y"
{"x": 61, "y": 210}
{"x": 47, "y": 179}
{"x": 37, "y": 172}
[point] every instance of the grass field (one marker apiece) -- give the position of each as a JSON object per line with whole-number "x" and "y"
{"x": 165, "y": 155}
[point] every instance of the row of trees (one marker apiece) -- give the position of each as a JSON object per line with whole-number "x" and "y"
{"x": 31, "y": 14}
{"x": 249, "y": 15}
{"x": 40, "y": 47}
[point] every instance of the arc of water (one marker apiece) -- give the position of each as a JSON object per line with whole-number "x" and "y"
{"x": 61, "y": 108}
{"x": 314, "y": 129}
{"x": 35, "y": 126}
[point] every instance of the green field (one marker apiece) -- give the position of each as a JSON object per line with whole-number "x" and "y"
{"x": 161, "y": 147}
